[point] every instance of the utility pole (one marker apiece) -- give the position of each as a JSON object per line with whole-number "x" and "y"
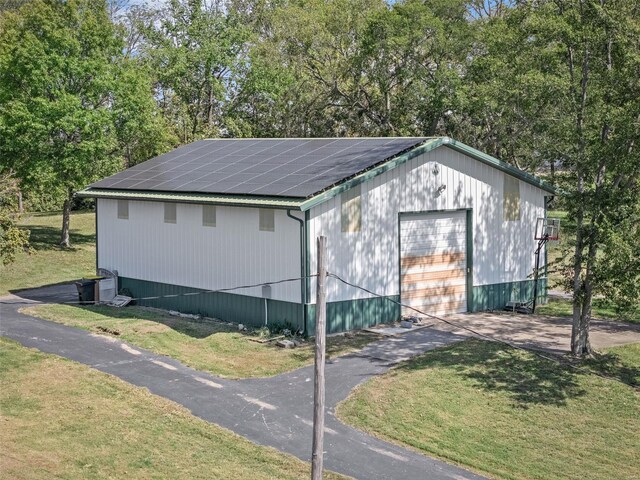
{"x": 318, "y": 384}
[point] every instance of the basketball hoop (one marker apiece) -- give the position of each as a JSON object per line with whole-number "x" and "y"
{"x": 547, "y": 229}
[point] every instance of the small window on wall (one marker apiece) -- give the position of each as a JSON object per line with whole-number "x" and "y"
{"x": 511, "y": 198}
{"x": 208, "y": 215}
{"x": 169, "y": 213}
{"x": 123, "y": 209}
{"x": 351, "y": 212}
{"x": 267, "y": 220}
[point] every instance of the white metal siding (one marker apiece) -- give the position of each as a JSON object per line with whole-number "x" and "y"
{"x": 502, "y": 250}
{"x": 234, "y": 252}
{"x": 433, "y": 262}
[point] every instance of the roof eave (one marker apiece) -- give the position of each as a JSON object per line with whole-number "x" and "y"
{"x": 289, "y": 203}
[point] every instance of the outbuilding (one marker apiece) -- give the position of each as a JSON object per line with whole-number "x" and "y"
{"x": 426, "y": 222}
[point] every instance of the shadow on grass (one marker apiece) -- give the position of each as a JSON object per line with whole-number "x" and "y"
{"x": 526, "y": 378}
{"x": 190, "y": 327}
{"x": 48, "y": 238}
{"x": 201, "y": 329}
{"x": 56, "y": 292}
{"x": 611, "y": 365}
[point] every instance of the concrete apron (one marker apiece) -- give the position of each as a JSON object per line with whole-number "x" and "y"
{"x": 539, "y": 332}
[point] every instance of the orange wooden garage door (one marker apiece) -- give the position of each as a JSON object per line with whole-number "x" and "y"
{"x": 433, "y": 264}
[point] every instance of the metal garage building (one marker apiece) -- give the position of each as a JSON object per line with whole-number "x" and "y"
{"x": 428, "y": 221}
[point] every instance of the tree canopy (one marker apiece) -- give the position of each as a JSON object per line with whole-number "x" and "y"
{"x": 551, "y": 86}
{"x": 70, "y": 103}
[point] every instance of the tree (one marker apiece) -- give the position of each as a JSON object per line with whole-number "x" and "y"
{"x": 69, "y": 100}
{"x": 509, "y": 92}
{"x": 194, "y": 47}
{"x": 11, "y": 4}
{"x": 342, "y": 67}
{"x": 12, "y": 239}
{"x": 569, "y": 73}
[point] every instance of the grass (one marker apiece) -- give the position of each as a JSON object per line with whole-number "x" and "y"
{"x": 601, "y": 309}
{"x": 209, "y": 346}
{"x": 61, "y": 419}
{"x": 50, "y": 263}
{"x": 507, "y": 413}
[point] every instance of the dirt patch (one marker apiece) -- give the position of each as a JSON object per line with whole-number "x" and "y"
{"x": 110, "y": 331}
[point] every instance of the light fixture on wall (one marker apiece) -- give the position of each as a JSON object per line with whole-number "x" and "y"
{"x": 435, "y": 170}
{"x": 441, "y": 189}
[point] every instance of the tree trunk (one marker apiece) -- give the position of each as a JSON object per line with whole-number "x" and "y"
{"x": 580, "y": 343}
{"x": 20, "y": 203}
{"x": 66, "y": 215}
{"x": 577, "y": 328}
{"x": 582, "y": 288}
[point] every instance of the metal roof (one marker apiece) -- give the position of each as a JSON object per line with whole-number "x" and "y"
{"x": 291, "y": 167}
{"x": 235, "y": 168}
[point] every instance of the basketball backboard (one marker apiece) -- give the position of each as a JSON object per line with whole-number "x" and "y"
{"x": 547, "y": 229}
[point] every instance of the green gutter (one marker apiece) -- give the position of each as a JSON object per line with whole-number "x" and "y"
{"x": 303, "y": 270}
{"x": 200, "y": 198}
{"x": 307, "y": 266}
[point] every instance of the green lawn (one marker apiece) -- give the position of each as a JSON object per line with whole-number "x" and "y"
{"x": 49, "y": 263}
{"x": 601, "y": 309}
{"x": 61, "y": 419}
{"x": 210, "y": 346}
{"x": 507, "y": 413}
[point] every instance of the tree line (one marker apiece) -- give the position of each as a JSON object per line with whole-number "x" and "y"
{"x": 89, "y": 87}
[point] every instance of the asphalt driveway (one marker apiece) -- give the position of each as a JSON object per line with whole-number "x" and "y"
{"x": 276, "y": 411}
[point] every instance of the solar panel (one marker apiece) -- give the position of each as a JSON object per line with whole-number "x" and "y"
{"x": 276, "y": 167}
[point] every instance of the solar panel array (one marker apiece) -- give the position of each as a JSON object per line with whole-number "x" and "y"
{"x": 270, "y": 167}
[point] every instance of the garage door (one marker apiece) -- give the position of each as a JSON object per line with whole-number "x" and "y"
{"x": 433, "y": 264}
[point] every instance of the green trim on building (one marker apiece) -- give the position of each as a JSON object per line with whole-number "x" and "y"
{"x": 341, "y": 316}
{"x": 428, "y": 146}
{"x": 229, "y": 307}
{"x": 356, "y": 314}
{"x": 373, "y": 172}
{"x": 469, "y": 254}
{"x": 292, "y": 203}
{"x": 498, "y": 164}
{"x": 496, "y": 296}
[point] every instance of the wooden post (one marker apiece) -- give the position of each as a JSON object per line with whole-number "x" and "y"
{"x": 318, "y": 384}
{"x": 96, "y": 292}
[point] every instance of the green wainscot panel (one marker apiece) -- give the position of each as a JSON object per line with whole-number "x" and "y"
{"x": 229, "y": 307}
{"x": 355, "y": 314}
{"x": 496, "y": 296}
